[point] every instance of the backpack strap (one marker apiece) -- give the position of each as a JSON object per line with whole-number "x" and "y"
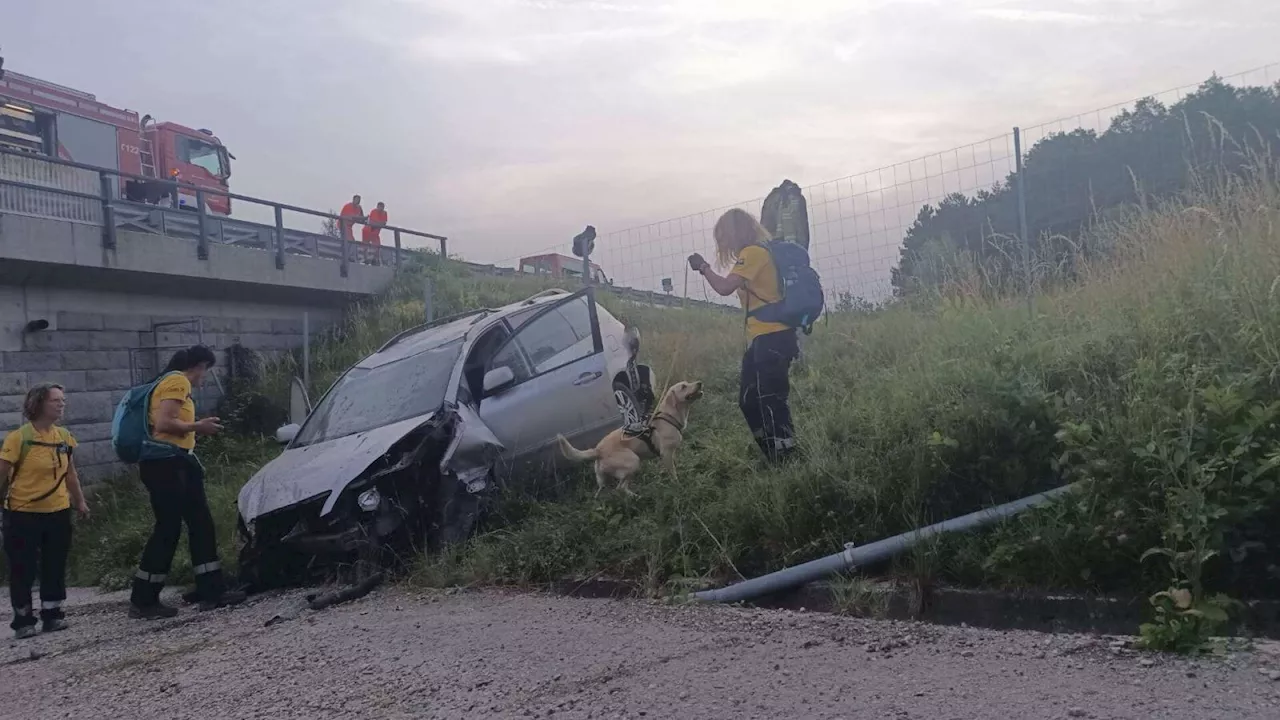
{"x": 763, "y": 304}
{"x": 28, "y": 434}
{"x": 63, "y": 446}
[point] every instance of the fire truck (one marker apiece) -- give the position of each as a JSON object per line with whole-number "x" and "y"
{"x": 557, "y": 265}
{"x": 44, "y": 118}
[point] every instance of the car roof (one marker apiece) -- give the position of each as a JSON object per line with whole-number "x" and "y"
{"x": 432, "y": 335}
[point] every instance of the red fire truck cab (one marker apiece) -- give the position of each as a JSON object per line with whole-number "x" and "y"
{"x": 44, "y": 118}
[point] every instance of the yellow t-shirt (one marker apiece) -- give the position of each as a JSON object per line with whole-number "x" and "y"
{"x": 756, "y": 267}
{"x": 40, "y": 471}
{"x": 174, "y": 387}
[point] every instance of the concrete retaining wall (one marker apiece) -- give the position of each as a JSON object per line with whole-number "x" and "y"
{"x": 98, "y": 355}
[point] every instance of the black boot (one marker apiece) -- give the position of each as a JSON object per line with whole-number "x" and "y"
{"x": 157, "y": 611}
{"x": 24, "y": 624}
{"x": 52, "y": 620}
{"x": 212, "y": 592}
{"x": 144, "y": 601}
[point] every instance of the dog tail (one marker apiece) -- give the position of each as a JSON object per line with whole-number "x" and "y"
{"x": 574, "y": 453}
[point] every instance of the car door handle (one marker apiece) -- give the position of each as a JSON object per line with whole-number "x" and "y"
{"x": 587, "y": 377}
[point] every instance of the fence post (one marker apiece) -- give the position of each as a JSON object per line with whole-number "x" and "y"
{"x": 428, "y": 305}
{"x": 444, "y": 249}
{"x": 344, "y": 262}
{"x": 306, "y": 349}
{"x": 202, "y": 247}
{"x": 1022, "y": 219}
{"x": 108, "y": 212}
{"x": 586, "y": 268}
{"x": 280, "y": 249}
{"x": 397, "y": 234}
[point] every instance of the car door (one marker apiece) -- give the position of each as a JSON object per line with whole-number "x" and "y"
{"x": 560, "y": 387}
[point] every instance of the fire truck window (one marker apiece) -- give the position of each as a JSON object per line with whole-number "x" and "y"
{"x": 200, "y": 154}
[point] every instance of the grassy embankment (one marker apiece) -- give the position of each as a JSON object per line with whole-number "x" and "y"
{"x": 1152, "y": 374}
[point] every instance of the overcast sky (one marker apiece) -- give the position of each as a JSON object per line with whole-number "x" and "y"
{"x": 510, "y": 124}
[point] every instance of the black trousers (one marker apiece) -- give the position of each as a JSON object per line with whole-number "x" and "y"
{"x": 763, "y": 391}
{"x": 176, "y": 486}
{"x": 37, "y": 545}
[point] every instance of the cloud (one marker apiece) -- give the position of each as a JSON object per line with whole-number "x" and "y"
{"x": 509, "y": 124}
{"x": 1055, "y": 17}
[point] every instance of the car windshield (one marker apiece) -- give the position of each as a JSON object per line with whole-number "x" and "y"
{"x": 368, "y": 398}
{"x": 202, "y": 154}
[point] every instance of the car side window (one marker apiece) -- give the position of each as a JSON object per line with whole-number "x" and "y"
{"x": 555, "y": 339}
{"x": 578, "y": 315}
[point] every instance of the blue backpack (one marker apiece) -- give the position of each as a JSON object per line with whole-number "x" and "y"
{"x": 798, "y": 283}
{"x": 131, "y": 427}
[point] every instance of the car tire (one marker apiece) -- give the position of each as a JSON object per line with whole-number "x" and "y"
{"x": 628, "y": 405}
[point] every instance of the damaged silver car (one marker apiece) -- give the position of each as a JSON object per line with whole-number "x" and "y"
{"x": 407, "y": 448}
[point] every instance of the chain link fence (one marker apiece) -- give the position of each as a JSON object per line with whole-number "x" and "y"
{"x": 960, "y": 215}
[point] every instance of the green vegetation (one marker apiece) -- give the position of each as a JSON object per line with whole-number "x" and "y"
{"x": 1148, "y": 371}
{"x": 1150, "y": 152}
{"x": 1152, "y": 379}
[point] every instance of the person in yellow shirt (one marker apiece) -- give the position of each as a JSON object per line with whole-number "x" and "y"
{"x": 764, "y": 386}
{"x": 176, "y": 487}
{"x": 39, "y": 487}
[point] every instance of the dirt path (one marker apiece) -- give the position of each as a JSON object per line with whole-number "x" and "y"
{"x": 477, "y": 655}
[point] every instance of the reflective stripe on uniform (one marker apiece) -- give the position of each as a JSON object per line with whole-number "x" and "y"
{"x": 50, "y": 604}
{"x": 22, "y": 611}
{"x": 145, "y": 576}
{"x": 782, "y": 443}
{"x": 208, "y": 567}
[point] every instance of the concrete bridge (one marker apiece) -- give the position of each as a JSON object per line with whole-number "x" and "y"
{"x": 97, "y": 292}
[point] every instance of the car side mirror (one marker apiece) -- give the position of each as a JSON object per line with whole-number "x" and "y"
{"x": 497, "y": 379}
{"x": 286, "y": 434}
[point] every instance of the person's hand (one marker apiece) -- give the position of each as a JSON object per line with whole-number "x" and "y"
{"x": 208, "y": 426}
{"x": 696, "y": 262}
{"x": 82, "y": 508}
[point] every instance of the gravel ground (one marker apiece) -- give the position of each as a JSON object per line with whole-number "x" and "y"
{"x": 397, "y": 654}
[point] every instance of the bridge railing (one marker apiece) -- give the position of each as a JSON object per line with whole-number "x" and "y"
{"x": 41, "y": 186}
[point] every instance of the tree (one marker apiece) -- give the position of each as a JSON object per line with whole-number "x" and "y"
{"x": 1071, "y": 178}
{"x": 329, "y": 227}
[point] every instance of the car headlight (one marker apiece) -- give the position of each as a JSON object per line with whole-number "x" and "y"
{"x": 369, "y": 499}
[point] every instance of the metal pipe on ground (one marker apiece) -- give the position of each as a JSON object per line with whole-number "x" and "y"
{"x": 852, "y": 557}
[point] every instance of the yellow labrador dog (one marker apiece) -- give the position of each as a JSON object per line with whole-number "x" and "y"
{"x": 619, "y": 453}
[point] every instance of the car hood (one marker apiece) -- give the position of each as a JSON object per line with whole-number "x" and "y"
{"x": 303, "y": 473}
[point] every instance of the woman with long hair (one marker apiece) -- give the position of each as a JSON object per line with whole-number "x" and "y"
{"x": 764, "y": 385}
{"x": 176, "y": 486}
{"x": 39, "y": 484}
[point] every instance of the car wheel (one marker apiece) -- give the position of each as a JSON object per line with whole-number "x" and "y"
{"x": 628, "y": 405}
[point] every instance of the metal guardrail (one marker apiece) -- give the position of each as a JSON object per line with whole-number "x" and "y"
{"x": 41, "y": 186}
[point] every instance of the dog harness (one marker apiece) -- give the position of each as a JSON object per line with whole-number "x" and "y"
{"x": 645, "y": 432}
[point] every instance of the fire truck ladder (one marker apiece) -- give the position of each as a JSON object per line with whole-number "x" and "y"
{"x": 145, "y": 156}
{"x": 145, "y": 150}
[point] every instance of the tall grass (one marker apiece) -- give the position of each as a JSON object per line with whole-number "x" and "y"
{"x": 1147, "y": 370}
{"x": 1151, "y": 369}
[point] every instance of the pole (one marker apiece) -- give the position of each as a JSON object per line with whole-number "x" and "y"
{"x": 586, "y": 268}
{"x": 427, "y": 305}
{"x": 202, "y": 223}
{"x": 444, "y": 249}
{"x": 344, "y": 262}
{"x": 397, "y": 234}
{"x": 108, "y": 213}
{"x": 280, "y": 243}
{"x": 306, "y": 349}
{"x": 1022, "y": 219}
{"x": 852, "y": 557}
